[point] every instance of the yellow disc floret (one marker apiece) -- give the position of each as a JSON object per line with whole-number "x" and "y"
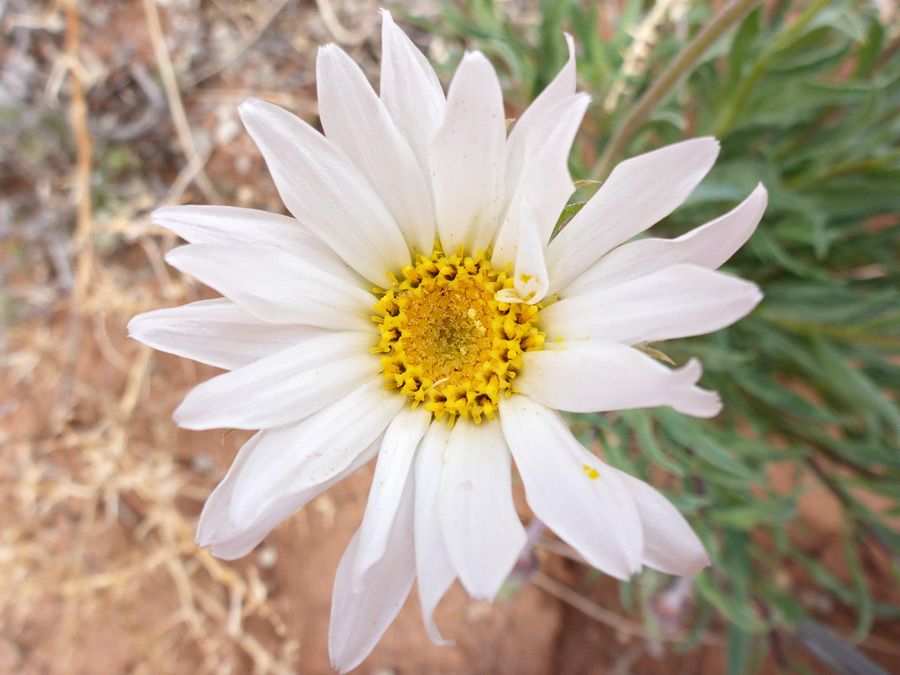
{"x": 447, "y": 342}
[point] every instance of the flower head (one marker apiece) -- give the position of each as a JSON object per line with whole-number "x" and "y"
{"x": 415, "y": 308}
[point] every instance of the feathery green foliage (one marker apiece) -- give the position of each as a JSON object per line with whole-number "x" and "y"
{"x": 806, "y": 99}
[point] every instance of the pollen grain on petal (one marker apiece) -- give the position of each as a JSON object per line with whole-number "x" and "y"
{"x": 590, "y": 472}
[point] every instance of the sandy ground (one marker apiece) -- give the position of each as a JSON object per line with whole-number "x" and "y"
{"x": 124, "y": 107}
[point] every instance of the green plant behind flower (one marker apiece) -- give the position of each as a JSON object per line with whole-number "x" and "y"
{"x": 806, "y": 99}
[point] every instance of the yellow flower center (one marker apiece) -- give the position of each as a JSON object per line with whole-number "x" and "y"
{"x": 446, "y": 342}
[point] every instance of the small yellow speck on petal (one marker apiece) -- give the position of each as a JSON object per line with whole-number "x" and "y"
{"x": 590, "y": 472}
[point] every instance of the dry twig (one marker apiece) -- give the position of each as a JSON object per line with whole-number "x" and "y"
{"x": 176, "y": 106}
{"x": 605, "y": 616}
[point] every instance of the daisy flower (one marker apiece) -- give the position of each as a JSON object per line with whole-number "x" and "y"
{"x": 415, "y": 308}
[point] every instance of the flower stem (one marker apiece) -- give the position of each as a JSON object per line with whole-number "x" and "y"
{"x": 681, "y": 66}
{"x": 533, "y": 532}
{"x": 788, "y": 36}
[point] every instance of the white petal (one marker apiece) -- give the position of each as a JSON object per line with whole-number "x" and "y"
{"x": 410, "y": 90}
{"x": 281, "y": 388}
{"x": 291, "y": 459}
{"x": 357, "y": 122}
{"x": 275, "y": 286}
{"x": 216, "y": 332}
{"x": 545, "y": 181}
{"x": 360, "y": 617}
{"x": 679, "y": 301}
{"x": 466, "y": 158}
{"x": 579, "y": 497}
{"x": 391, "y": 472}
{"x": 707, "y": 246}
{"x": 670, "y": 544}
{"x": 639, "y": 192}
{"x": 591, "y": 376}
{"x": 433, "y": 567}
{"x": 562, "y": 87}
{"x": 229, "y": 540}
{"x": 323, "y": 189}
{"x": 249, "y": 227}
{"x": 530, "y": 272}
{"x": 481, "y": 530}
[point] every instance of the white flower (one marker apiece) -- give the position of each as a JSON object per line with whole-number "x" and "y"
{"x": 476, "y": 340}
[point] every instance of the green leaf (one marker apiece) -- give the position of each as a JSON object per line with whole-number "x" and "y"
{"x": 734, "y": 608}
{"x": 690, "y": 435}
{"x": 745, "y": 516}
{"x": 569, "y": 212}
{"x": 863, "y": 602}
{"x": 640, "y": 423}
{"x": 738, "y": 650}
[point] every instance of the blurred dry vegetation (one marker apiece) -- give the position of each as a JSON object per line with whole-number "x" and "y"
{"x": 108, "y": 110}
